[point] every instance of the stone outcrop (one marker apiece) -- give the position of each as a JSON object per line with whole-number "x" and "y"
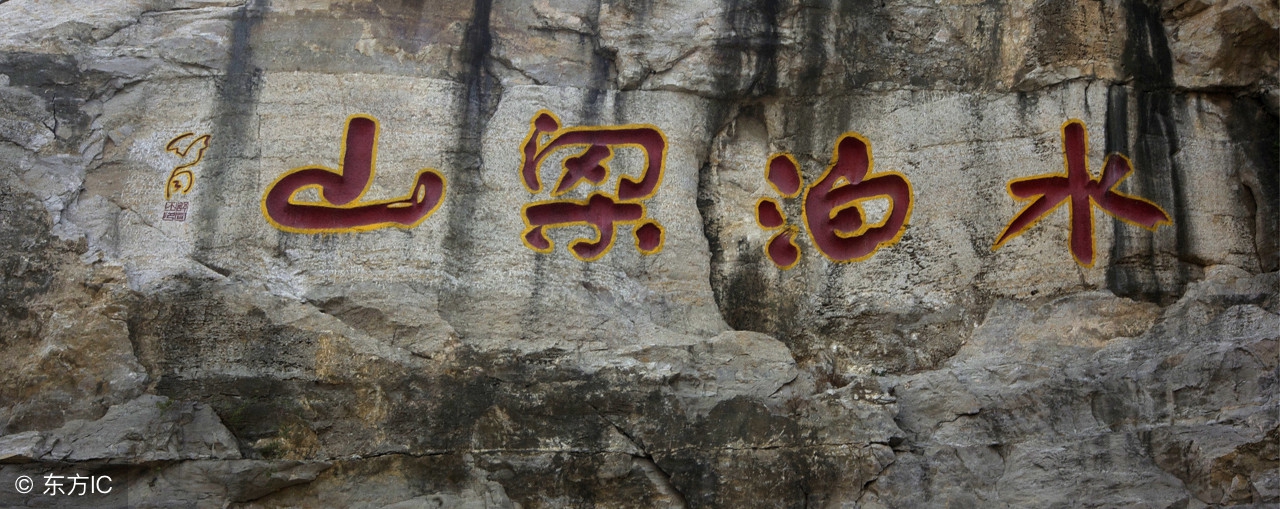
{"x": 200, "y": 352}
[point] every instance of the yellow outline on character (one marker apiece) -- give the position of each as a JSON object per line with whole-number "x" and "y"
{"x": 1035, "y": 198}
{"x": 172, "y": 184}
{"x": 870, "y": 173}
{"x": 358, "y": 215}
{"x": 546, "y": 139}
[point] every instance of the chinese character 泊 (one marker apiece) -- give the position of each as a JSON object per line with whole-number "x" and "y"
{"x": 833, "y": 205}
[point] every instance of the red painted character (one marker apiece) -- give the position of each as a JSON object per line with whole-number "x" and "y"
{"x": 783, "y": 174}
{"x": 1081, "y": 191}
{"x": 833, "y": 205}
{"x": 601, "y": 210}
{"x": 340, "y": 208}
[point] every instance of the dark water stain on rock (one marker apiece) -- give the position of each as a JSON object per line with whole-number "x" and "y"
{"x": 752, "y": 39}
{"x": 1027, "y": 103}
{"x": 747, "y": 296}
{"x": 1117, "y": 141}
{"x": 992, "y": 24}
{"x": 746, "y": 293}
{"x": 813, "y": 53}
{"x": 233, "y": 115}
{"x": 602, "y": 72}
{"x": 478, "y": 98}
{"x": 712, "y": 229}
{"x": 1117, "y": 135}
{"x": 1254, "y": 130}
{"x": 718, "y": 115}
{"x": 479, "y": 82}
{"x": 1135, "y": 257}
{"x": 598, "y": 90}
{"x": 534, "y": 308}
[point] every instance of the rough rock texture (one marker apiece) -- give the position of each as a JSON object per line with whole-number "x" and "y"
{"x": 218, "y": 361}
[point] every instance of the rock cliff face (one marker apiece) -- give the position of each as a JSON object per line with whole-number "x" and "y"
{"x": 810, "y": 304}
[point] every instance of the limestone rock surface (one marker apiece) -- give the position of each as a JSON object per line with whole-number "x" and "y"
{"x": 188, "y": 346}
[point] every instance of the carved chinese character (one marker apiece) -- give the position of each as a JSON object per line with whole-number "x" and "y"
{"x": 833, "y": 205}
{"x": 602, "y": 210}
{"x": 340, "y": 206}
{"x": 1078, "y": 188}
{"x": 783, "y": 174}
{"x": 181, "y": 178}
{"x": 175, "y": 211}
